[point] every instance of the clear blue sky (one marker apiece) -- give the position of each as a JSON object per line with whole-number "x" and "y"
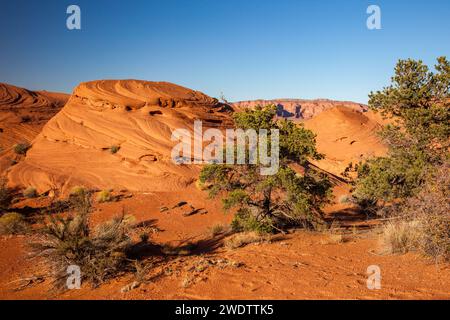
{"x": 247, "y": 49}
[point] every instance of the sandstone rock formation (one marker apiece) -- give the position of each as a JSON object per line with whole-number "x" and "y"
{"x": 117, "y": 134}
{"x": 346, "y": 136}
{"x": 23, "y": 113}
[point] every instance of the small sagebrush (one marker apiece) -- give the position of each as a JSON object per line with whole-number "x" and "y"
{"x": 217, "y": 229}
{"x": 101, "y": 252}
{"x": 423, "y": 220}
{"x": 13, "y": 223}
{"x": 104, "y": 196}
{"x": 21, "y": 148}
{"x": 401, "y": 236}
{"x": 77, "y": 191}
{"x": 243, "y": 239}
{"x": 30, "y": 192}
{"x": 114, "y": 149}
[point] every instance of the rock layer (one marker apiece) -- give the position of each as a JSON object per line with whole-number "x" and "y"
{"x": 23, "y": 113}
{"x": 298, "y": 109}
{"x": 117, "y": 134}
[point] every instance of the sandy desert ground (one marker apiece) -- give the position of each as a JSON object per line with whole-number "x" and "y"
{"x": 70, "y": 139}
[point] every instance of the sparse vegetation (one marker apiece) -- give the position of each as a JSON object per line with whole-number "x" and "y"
{"x": 217, "y": 229}
{"x": 344, "y": 199}
{"x": 242, "y": 239}
{"x": 401, "y": 236}
{"x": 30, "y": 192}
{"x": 78, "y": 191}
{"x": 5, "y": 195}
{"x": 104, "y": 196}
{"x": 101, "y": 253}
{"x": 114, "y": 149}
{"x": 412, "y": 182}
{"x": 21, "y": 148}
{"x": 13, "y": 223}
{"x": 275, "y": 202}
{"x": 424, "y": 220}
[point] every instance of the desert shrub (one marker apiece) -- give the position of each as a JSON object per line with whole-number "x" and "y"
{"x": 114, "y": 149}
{"x": 104, "y": 196}
{"x": 5, "y": 195}
{"x": 401, "y": 236}
{"x": 217, "y": 229}
{"x": 80, "y": 200}
{"x": 424, "y": 220}
{"x": 344, "y": 199}
{"x": 21, "y": 148}
{"x": 435, "y": 237}
{"x": 101, "y": 252}
{"x": 242, "y": 239}
{"x": 30, "y": 192}
{"x": 77, "y": 191}
{"x": 13, "y": 223}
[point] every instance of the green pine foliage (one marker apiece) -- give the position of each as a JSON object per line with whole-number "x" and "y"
{"x": 418, "y": 102}
{"x": 271, "y": 203}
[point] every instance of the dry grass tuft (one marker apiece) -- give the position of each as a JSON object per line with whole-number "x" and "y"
{"x": 101, "y": 252}
{"x": 242, "y": 239}
{"x": 217, "y": 229}
{"x": 424, "y": 220}
{"x": 30, "y": 193}
{"x": 104, "y": 196}
{"x": 400, "y": 236}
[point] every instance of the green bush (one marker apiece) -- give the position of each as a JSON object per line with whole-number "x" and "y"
{"x": 418, "y": 136}
{"x": 244, "y": 221}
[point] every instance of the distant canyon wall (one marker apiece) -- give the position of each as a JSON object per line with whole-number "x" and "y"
{"x": 300, "y": 109}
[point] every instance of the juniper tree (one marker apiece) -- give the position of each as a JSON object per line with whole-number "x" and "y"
{"x": 417, "y": 102}
{"x": 270, "y": 203}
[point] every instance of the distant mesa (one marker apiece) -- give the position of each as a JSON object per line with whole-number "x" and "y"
{"x": 299, "y": 109}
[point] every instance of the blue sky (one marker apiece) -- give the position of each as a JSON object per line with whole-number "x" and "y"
{"x": 247, "y": 49}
